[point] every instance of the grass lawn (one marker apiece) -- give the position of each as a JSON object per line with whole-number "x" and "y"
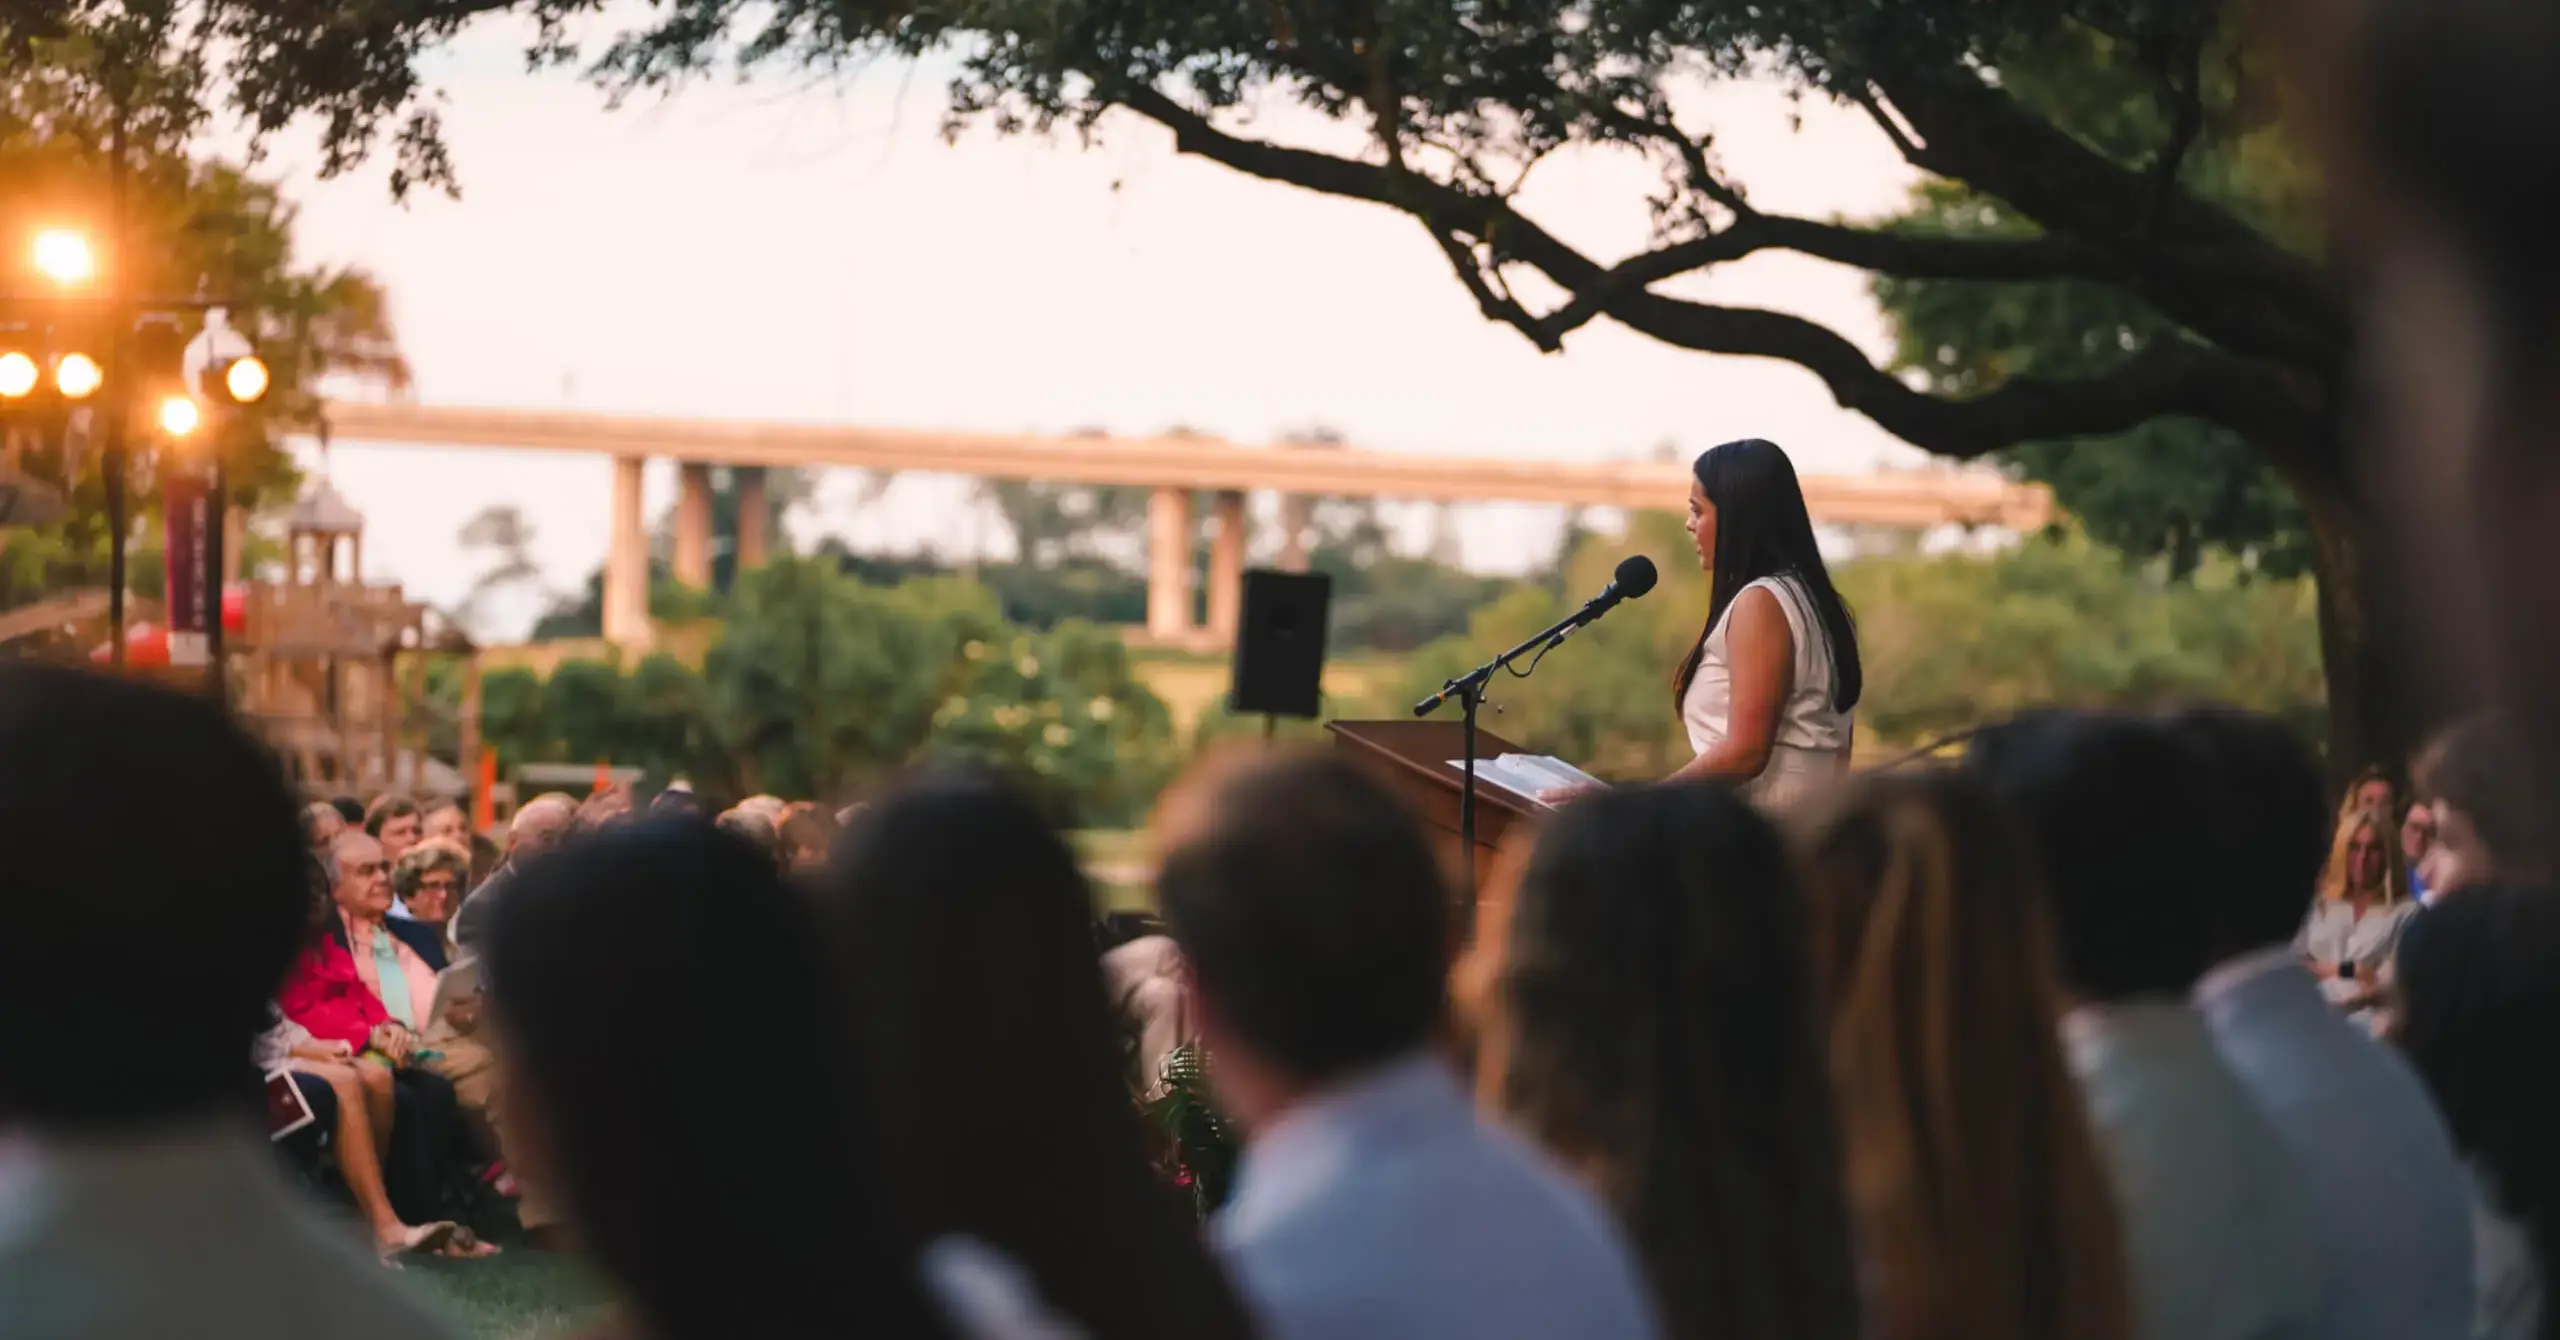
{"x": 521, "y": 1295}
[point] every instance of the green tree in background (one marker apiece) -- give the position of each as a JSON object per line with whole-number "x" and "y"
{"x": 821, "y": 685}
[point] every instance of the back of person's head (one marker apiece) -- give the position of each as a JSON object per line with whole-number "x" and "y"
{"x": 320, "y": 823}
{"x": 1658, "y": 1030}
{"x": 603, "y": 810}
{"x": 749, "y": 827}
{"x": 2479, "y": 985}
{"x": 961, "y": 917}
{"x": 2120, "y": 813}
{"x": 1310, "y": 907}
{"x": 806, "y": 836}
{"x": 350, "y": 810}
{"x": 2271, "y": 828}
{"x": 684, "y": 1063}
{"x": 135, "y": 974}
{"x": 675, "y": 803}
{"x": 1979, "y": 1190}
{"x": 2477, "y": 769}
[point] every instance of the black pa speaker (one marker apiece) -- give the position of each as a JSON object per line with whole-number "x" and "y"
{"x": 1279, "y": 668}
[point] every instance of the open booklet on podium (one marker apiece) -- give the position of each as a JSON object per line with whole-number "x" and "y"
{"x": 1532, "y": 777}
{"x": 1418, "y": 757}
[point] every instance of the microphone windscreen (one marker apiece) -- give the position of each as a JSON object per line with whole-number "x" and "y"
{"x": 1636, "y": 576}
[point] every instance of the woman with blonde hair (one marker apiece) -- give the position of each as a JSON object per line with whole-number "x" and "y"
{"x": 1976, "y": 1188}
{"x": 2354, "y": 926}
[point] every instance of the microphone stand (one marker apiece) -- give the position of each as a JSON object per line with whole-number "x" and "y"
{"x": 1469, "y": 690}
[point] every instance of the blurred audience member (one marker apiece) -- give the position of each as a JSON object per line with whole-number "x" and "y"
{"x": 2372, "y": 791}
{"x": 676, "y": 802}
{"x": 606, "y": 809}
{"x": 136, "y": 1197}
{"x": 397, "y": 959}
{"x": 2474, "y": 777}
{"x": 2219, "y": 1224}
{"x": 321, "y": 825}
{"x": 354, "y": 1096}
{"x": 627, "y": 961}
{"x": 751, "y": 828}
{"x": 2355, "y": 923}
{"x": 539, "y": 827}
{"x": 396, "y": 822}
{"x": 807, "y": 836}
{"x": 328, "y": 996}
{"x": 442, "y": 819}
{"x": 350, "y": 811}
{"x": 2393, "y": 1217}
{"x": 1653, "y": 1025}
{"x": 959, "y": 913}
{"x": 2480, "y": 987}
{"x": 1983, "y": 1204}
{"x": 768, "y": 808}
{"x": 431, "y": 881}
{"x": 1371, "y": 1201}
{"x": 2417, "y": 841}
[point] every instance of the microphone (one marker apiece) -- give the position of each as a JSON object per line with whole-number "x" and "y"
{"x": 1636, "y": 575}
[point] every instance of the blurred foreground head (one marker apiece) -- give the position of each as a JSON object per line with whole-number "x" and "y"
{"x": 963, "y": 925}
{"x": 1981, "y": 1198}
{"x": 1313, "y": 914}
{"x": 134, "y": 974}
{"x": 631, "y": 960}
{"x": 1655, "y": 1025}
{"x": 2118, "y": 811}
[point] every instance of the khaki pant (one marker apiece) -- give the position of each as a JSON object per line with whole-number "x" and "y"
{"x": 473, "y": 1070}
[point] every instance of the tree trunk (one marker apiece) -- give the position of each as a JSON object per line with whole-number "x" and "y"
{"x": 2381, "y": 699}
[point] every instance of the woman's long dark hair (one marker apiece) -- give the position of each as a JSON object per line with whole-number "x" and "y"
{"x": 696, "y": 1085}
{"x": 1763, "y": 530}
{"x": 2479, "y": 980}
{"x": 1658, "y": 1029}
{"x": 964, "y": 925}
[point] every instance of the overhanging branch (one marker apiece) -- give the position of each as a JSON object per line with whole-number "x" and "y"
{"x": 2172, "y": 378}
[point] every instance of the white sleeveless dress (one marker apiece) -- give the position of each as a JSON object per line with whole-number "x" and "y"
{"x": 1812, "y": 744}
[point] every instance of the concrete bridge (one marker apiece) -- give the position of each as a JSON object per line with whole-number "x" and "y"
{"x": 1176, "y": 468}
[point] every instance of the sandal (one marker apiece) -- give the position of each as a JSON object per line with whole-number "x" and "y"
{"x": 425, "y": 1238}
{"x": 466, "y": 1245}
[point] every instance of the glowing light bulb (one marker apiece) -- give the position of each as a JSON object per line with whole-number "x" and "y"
{"x": 78, "y": 376}
{"x": 64, "y": 257}
{"x": 179, "y": 416}
{"x": 18, "y": 375}
{"x": 246, "y": 380}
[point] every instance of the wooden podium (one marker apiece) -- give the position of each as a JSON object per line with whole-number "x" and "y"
{"x": 1415, "y": 757}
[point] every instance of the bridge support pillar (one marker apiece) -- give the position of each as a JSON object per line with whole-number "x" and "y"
{"x": 1169, "y": 565}
{"x": 626, "y": 564}
{"x": 751, "y": 517}
{"x": 1227, "y": 536}
{"x": 1296, "y": 517}
{"x": 693, "y": 525}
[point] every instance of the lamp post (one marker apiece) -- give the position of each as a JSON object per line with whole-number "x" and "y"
{"x": 221, "y": 368}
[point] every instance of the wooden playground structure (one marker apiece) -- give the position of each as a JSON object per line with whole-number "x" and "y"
{"x": 331, "y": 670}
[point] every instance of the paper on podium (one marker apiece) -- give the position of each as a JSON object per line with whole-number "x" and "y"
{"x": 1529, "y": 776}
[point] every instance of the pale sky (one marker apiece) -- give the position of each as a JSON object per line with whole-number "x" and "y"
{"x": 783, "y": 251}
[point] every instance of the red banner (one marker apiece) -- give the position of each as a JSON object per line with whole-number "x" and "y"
{"x": 186, "y": 505}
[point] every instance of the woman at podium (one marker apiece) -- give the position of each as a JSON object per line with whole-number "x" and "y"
{"x": 1768, "y": 690}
